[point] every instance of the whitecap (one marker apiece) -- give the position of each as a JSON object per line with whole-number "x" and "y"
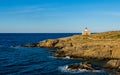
{"x": 67, "y": 57}
{"x": 98, "y": 71}
{"x": 65, "y": 69}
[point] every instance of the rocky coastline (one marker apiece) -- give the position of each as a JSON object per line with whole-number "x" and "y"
{"x": 101, "y": 46}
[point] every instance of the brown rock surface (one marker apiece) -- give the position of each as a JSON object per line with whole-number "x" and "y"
{"x": 101, "y": 45}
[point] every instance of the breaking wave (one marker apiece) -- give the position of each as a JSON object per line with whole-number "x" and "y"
{"x": 64, "y": 69}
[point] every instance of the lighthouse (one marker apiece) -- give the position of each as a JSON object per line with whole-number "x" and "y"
{"x": 86, "y": 32}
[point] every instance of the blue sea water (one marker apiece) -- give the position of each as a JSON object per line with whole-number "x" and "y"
{"x": 17, "y": 60}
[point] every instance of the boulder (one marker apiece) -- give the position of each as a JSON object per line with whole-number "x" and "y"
{"x": 59, "y": 54}
{"x": 84, "y": 65}
{"x": 113, "y": 64}
{"x": 47, "y": 43}
{"x": 30, "y": 45}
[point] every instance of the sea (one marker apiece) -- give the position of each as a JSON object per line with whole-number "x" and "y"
{"x": 18, "y": 60}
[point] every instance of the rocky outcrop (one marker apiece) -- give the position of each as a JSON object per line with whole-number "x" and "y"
{"x": 104, "y": 45}
{"x": 84, "y": 65}
{"x": 47, "y": 43}
{"x": 59, "y": 53}
{"x": 30, "y": 45}
{"x": 113, "y": 64}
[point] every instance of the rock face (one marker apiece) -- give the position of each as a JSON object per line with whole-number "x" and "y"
{"x": 105, "y": 45}
{"x": 31, "y": 45}
{"x": 47, "y": 43}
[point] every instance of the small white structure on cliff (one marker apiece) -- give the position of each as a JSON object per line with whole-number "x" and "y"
{"x": 86, "y": 32}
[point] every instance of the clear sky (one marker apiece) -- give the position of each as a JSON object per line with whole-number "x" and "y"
{"x": 58, "y": 16}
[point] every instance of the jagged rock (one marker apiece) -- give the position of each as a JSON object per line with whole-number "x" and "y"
{"x": 59, "y": 53}
{"x": 47, "y": 43}
{"x": 31, "y": 45}
{"x": 84, "y": 65}
{"x": 113, "y": 64}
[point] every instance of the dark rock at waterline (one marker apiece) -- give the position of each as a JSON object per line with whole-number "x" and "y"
{"x": 113, "y": 64}
{"x": 59, "y": 53}
{"x": 84, "y": 65}
{"x": 30, "y": 45}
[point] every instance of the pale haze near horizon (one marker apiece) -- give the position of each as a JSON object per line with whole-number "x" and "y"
{"x": 59, "y": 16}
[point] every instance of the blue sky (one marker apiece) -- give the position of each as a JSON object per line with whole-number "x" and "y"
{"x": 58, "y": 16}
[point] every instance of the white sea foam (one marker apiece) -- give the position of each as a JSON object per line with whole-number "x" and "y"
{"x": 65, "y": 69}
{"x": 67, "y": 57}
